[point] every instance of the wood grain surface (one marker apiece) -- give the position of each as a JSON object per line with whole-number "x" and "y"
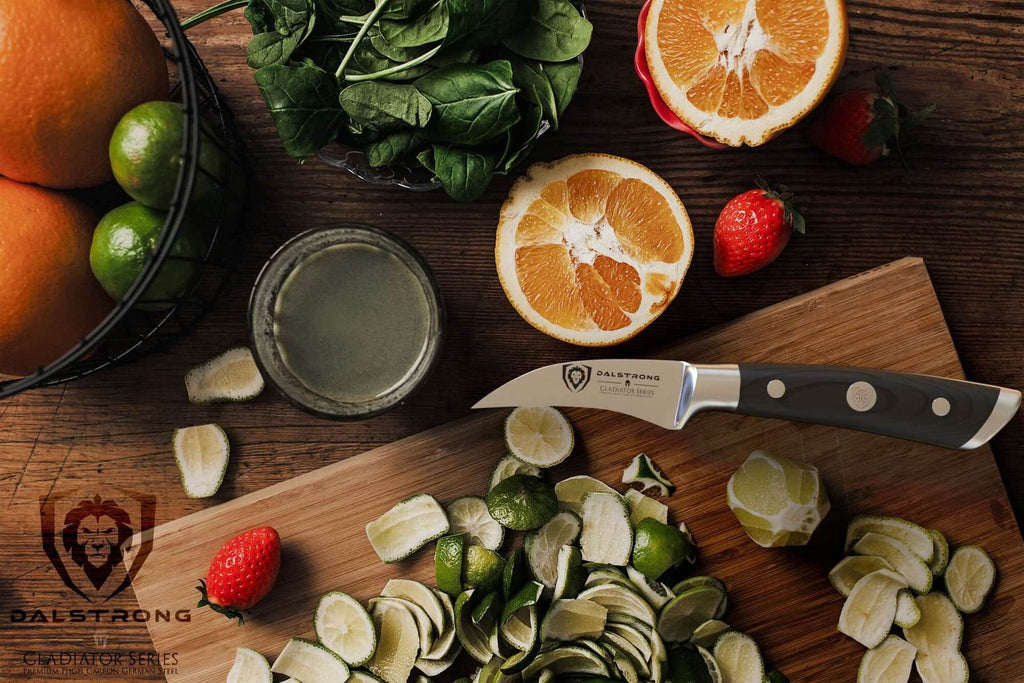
{"x": 959, "y": 206}
{"x": 782, "y": 597}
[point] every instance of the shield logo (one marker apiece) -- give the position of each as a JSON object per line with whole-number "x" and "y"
{"x": 87, "y": 536}
{"x": 576, "y": 376}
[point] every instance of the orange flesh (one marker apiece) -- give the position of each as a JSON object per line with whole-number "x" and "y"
{"x": 720, "y": 77}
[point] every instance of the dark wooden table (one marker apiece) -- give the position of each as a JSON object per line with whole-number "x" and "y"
{"x": 959, "y": 206}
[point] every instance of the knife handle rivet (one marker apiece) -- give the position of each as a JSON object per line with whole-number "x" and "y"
{"x": 940, "y": 407}
{"x": 861, "y": 396}
{"x": 776, "y": 388}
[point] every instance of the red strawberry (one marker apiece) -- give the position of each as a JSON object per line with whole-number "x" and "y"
{"x": 242, "y": 572}
{"x": 753, "y": 229}
{"x": 863, "y": 125}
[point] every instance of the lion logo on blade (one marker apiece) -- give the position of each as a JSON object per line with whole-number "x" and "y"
{"x": 576, "y": 376}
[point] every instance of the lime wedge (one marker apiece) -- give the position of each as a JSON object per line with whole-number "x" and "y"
{"x": 522, "y": 502}
{"x": 570, "y": 492}
{"x": 424, "y": 629}
{"x": 538, "y": 436}
{"x": 542, "y": 546}
{"x": 654, "y": 592}
{"x": 970, "y": 576}
{"x": 311, "y": 662}
{"x": 250, "y": 667}
{"x": 344, "y": 626}
{"x": 888, "y": 662}
{"x": 638, "y": 650}
{"x": 707, "y": 633}
{"x": 509, "y": 465}
{"x": 573, "y": 619}
{"x": 398, "y": 641}
{"x": 568, "y": 659}
{"x": 448, "y": 559}
{"x": 917, "y": 539}
{"x": 659, "y": 547}
{"x": 515, "y": 574}
{"x": 941, "y": 553}
{"x": 421, "y": 595}
{"x": 941, "y": 626}
{"x": 202, "y": 454}
{"x": 907, "y": 611}
{"x": 516, "y": 663}
{"x": 684, "y": 613}
{"x": 643, "y": 471}
{"x": 739, "y": 658}
{"x": 599, "y": 577}
{"x": 607, "y": 535}
{"x": 482, "y": 568}
{"x": 520, "y": 629}
{"x": 714, "y": 671}
{"x": 530, "y": 594}
{"x": 626, "y": 666}
{"x": 570, "y": 575}
{"x": 620, "y": 600}
{"x": 897, "y": 554}
{"x": 435, "y": 667}
{"x": 444, "y": 649}
{"x": 870, "y": 610}
{"x": 231, "y": 376}
{"x": 945, "y": 666}
{"x": 406, "y": 528}
{"x": 845, "y": 575}
{"x": 696, "y": 581}
{"x": 642, "y": 507}
{"x": 472, "y": 638}
{"x": 468, "y": 515}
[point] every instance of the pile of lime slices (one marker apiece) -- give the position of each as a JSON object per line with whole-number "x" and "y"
{"x": 891, "y": 579}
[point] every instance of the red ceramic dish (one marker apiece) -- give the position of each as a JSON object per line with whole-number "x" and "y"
{"x": 660, "y": 108}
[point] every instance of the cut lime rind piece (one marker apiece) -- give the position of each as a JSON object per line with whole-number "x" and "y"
{"x": 849, "y": 570}
{"x": 941, "y": 553}
{"x": 568, "y": 620}
{"x": 355, "y": 677}
{"x": 229, "y": 377}
{"x": 424, "y": 629}
{"x": 643, "y": 471}
{"x": 398, "y": 641}
{"x": 739, "y": 658}
{"x": 888, "y": 662}
{"x": 468, "y": 515}
{"x": 449, "y": 556}
{"x": 543, "y": 545}
{"x": 539, "y": 436}
{"x": 654, "y": 592}
{"x": 568, "y": 659}
{"x": 941, "y": 626}
{"x": 970, "y": 578}
{"x": 570, "y": 492}
{"x": 445, "y": 644}
{"x": 407, "y": 527}
{"x": 522, "y": 502}
{"x": 484, "y": 612}
{"x": 473, "y": 639}
{"x": 916, "y": 538}
{"x": 948, "y": 666}
{"x": 508, "y": 466}
{"x": 420, "y": 594}
{"x": 201, "y": 453}
{"x": 310, "y": 662}
{"x": 897, "y": 554}
{"x": 684, "y": 613}
{"x": 907, "y": 611}
{"x": 250, "y": 667}
{"x": 571, "y": 576}
{"x": 607, "y": 535}
{"x": 641, "y": 507}
{"x": 344, "y": 626}
{"x": 714, "y": 671}
{"x": 870, "y": 610}
{"x": 482, "y": 568}
{"x": 708, "y": 632}
{"x": 621, "y": 601}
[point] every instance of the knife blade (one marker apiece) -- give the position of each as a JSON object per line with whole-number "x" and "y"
{"x": 936, "y": 410}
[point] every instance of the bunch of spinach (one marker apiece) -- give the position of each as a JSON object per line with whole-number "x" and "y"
{"x": 460, "y": 87}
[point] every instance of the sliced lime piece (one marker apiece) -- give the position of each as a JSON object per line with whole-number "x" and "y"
{"x": 970, "y": 576}
{"x": 515, "y": 574}
{"x": 231, "y": 376}
{"x": 482, "y": 568}
{"x": 739, "y": 658}
{"x": 659, "y": 547}
{"x": 642, "y": 507}
{"x": 623, "y": 638}
{"x": 522, "y": 502}
{"x": 888, "y": 662}
{"x": 643, "y": 471}
{"x": 607, "y": 535}
{"x": 568, "y": 659}
{"x": 941, "y": 554}
{"x": 714, "y": 671}
{"x": 407, "y": 527}
{"x": 435, "y": 667}
{"x": 530, "y": 594}
{"x": 849, "y": 570}
{"x": 356, "y": 677}
{"x": 520, "y": 629}
{"x": 421, "y": 595}
{"x": 202, "y": 454}
{"x": 311, "y": 662}
{"x": 570, "y": 492}
{"x": 444, "y": 644}
{"x": 573, "y": 619}
{"x": 870, "y": 610}
{"x": 542, "y": 546}
{"x": 941, "y": 626}
{"x": 424, "y": 628}
{"x": 907, "y": 611}
{"x": 398, "y": 641}
{"x": 627, "y": 668}
{"x": 343, "y": 625}
{"x": 707, "y": 633}
{"x": 655, "y": 592}
{"x": 620, "y": 600}
{"x": 472, "y": 638}
{"x": 685, "y": 612}
{"x": 468, "y": 515}
{"x": 570, "y": 576}
{"x": 516, "y": 663}
{"x": 448, "y": 559}
{"x": 611, "y": 575}
{"x": 897, "y": 554}
{"x": 698, "y": 581}
{"x": 509, "y": 465}
{"x": 250, "y": 667}
{"x": 486, "y": 610}
{"x": 916, "y": 538}
{"x": 538, "y": 436}
{"x": 944, "y": 666}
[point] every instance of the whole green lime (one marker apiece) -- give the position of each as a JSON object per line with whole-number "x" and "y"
{"x": 146, "y": 156}
{"x": 121, "y": 246}
{"x": 522, "y": 502}
{"x": 658, "y": 547}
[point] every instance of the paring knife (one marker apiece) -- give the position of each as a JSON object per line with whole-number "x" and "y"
{"x": 945, "y": 412}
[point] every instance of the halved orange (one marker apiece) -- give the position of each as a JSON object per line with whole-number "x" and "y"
{"x": 742, "y": 71}
{"x": 592, "y": 248}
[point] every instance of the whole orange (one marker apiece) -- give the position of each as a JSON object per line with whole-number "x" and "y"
{"x": 69, "y": 69}
{"x": 50, "y": 298}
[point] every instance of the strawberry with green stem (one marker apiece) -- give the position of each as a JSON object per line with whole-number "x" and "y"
{"x": 242, "y": 572}
{"x": 753, "y": 228}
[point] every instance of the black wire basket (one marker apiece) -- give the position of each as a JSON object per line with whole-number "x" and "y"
{"x": 129, "y": 331}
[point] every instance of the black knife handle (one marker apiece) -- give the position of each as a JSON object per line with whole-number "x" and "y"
{"x": 935, "y": 410}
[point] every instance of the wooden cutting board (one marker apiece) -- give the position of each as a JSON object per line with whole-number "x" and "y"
{"x": 885, "y": 318}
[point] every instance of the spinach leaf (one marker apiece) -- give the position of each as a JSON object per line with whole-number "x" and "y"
{"x": 564, "y": 78}
{"x": 532, "y": 81}
{"x": 464, "y": 173}
{"x": 472, "y": 102}
{"x": 523, "y": 137}
{"x": 391, "y": 51}
{"x": 480, "y": 23}
{"x": 427, "y": 27}
{"x": 259, "y": 17}
{"x": 556, "y": 33}
{"x": 392, "y": 147}
{"x": 426, "y": 157}
{"x": 293, "y": 22}
{"x": 366, "y": 60}
{"x": 303, "y": 101}
{"x": 385, "y": 105}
